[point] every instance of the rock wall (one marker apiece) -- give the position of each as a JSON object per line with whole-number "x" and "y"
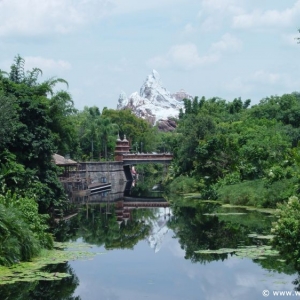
{"x": 96, "y": 171}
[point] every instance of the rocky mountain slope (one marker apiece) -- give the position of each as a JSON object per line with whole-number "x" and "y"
{"x": 154, "y": 102}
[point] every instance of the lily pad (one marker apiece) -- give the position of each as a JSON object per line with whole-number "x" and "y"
{"x": 31, "y": 271}
{"x": 252, "y": 252}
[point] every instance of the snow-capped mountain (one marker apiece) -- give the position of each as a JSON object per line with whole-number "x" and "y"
{"x": 154, "y": 102}
{"x": 158, "y": 230}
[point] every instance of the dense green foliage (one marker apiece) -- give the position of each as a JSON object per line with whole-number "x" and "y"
{"x": 28, "y": 179}
{"x": 96, "y": 133}
{"x": 138, "y": 132}
{"x": 287, "y": 230}
{"x": 26, "y": 152}
{"x": 23, "y": 231}
{"x": 227, "y": 149}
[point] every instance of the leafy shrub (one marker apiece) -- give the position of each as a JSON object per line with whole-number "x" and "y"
{"x": 17, "y": 241}
{"x": 23, "y": 231}
{"x": 244, "y": 193}
{"x": 278, "y": 191}
{"x": 257, "y": 193}
{"x": 231, "y": 178}
{"x": 185, "y": 184}
{"x": 36, "y": 221}
{"x": 287, "y": 230}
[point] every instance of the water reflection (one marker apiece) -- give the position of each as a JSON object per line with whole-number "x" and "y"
{"x": 116, "y": 225}
{"x": 115, "y": 218}
{"x": 196, "y": 228}
{"x": 150, "y": 251}
{"x": 200, "y": 225}
{"x": 190, "y": 226}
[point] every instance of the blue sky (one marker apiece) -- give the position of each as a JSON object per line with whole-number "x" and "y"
{"x": 224, "y": 48}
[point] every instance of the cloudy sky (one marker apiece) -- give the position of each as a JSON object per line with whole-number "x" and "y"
{"x": 224, "y": 48}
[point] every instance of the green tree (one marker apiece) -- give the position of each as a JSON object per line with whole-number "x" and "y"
{"x": 8, "y": 119}
{"x": 287, "y": 229}
{"x": 137, "y": 130}
{"x": 61, "y": 112}
{"x": 33, "y": 144}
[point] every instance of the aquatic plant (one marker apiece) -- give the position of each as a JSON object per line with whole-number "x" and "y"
{"x": 252, "y": 252}
{"x": 33, "y": 270}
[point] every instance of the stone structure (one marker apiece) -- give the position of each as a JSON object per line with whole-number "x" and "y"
{"x": 122, "y": 147}
{"x": 97, "y": 171}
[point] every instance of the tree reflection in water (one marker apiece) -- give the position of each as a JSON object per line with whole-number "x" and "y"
{"x": 98, "y": 224}
{"x": 197, "y": 225}
{"x": 204, "y": 225}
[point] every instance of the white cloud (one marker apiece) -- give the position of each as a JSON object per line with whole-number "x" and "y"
{"x": 187, "y": 57}
{"x": 35, "y": 17}
{"x": 231, "y": 6}
{"x": 129, "y": 6}
{"x": 256, "y": 80}
{"x": 214, "y": 13}
{"x": 46, "y": 64}
{"x": 282, "y": 80}
{"x": 158, "y": 62}
{"x": 264, "y": 81}
{"x": 212, "y": 23}
{"x": 239, "y": 85}
{"x": 184, "y": 56}
{"x": 276, "y": 18}
{"x": 227, "y": 43}
{"x": 265, "y": 77}
{"x": 189, "y": 28}
{"x": 245, "y": 279}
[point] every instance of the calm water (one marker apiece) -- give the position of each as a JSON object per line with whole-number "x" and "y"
{"x": 149, "y": 253}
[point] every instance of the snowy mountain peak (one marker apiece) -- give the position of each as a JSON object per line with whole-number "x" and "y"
{"x": 123, "y": 100}
{"x": 155, "y": 75}
{"x": 154, "y": 102}
{"x": 153, "y": 78}
{"x": 153, "y": 90}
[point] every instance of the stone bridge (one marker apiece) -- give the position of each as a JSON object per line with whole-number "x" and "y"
{"x": 144, "y": 158}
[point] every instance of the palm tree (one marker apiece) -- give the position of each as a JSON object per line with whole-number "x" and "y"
{"x": 107, "y": 131}
{"x": 18, "y": 75}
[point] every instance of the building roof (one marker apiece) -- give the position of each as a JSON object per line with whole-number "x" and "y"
{"x": 59, "y": 160}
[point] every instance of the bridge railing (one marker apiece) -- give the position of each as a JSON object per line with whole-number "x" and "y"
{"x": 150, "y": 156}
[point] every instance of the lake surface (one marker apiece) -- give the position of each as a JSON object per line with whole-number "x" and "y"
{"x": 148, "y": 252}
